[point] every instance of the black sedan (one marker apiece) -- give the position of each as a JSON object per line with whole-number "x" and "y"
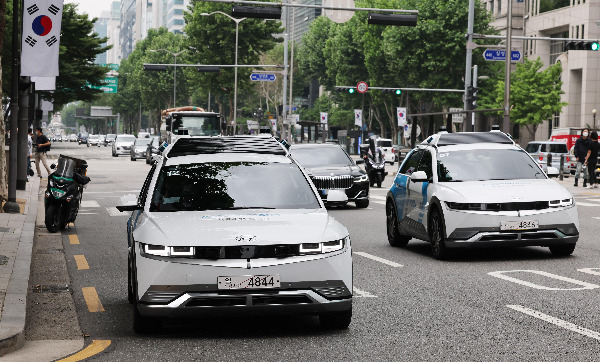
{"x": 336, "y": 176}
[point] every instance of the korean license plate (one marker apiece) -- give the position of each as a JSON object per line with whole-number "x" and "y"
{"x": 249, "y": 282}
{"x": 519, "y": 225}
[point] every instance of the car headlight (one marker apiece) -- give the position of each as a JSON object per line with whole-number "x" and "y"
{"x": 161, "y": 250}
{"x": 361, "y": 178}
{"x": 561, "y": 203}
{"x": 322, "y": 248}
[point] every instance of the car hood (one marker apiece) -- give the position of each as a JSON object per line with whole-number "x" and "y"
{"x": 123, "y": 143}
{"x": 141, "y": 148}
{"x": 334, "y": 170}
{"x": 502, "y": 191}
{"x": 238, "y": 227}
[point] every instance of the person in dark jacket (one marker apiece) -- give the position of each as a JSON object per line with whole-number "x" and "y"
{"x": 592, "y": 159}
{"x": 582, "y": 145}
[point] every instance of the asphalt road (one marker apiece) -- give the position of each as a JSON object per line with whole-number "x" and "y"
{"x": 484, "y": 304}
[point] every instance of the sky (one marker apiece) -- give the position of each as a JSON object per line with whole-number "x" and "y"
{"x": 92, "y": 7}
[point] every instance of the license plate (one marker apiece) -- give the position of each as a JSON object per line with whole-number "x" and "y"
{"x": 249, "y": 282}
{"x": 519, "y": 225}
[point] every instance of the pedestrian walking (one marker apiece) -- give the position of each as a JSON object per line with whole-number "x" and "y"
{"x": 592, "y": 159}
{"x": 29, "y": 152}
{"x": 582, "y": 145}
{"x": 43, "y": 145}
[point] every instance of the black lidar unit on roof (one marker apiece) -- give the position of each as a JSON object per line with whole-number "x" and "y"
{"x": 448, "y": 139}
{"x": 239, "y": 144}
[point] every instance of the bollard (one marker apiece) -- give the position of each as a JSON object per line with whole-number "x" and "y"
{"x": 562, "y": 166}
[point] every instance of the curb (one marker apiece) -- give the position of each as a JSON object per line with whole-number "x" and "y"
{"x": 12, "y": 325}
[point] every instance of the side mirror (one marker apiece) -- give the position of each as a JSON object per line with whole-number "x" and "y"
{"x": 552, "y": 172}
{"x": 129, "y": 203}
{"x": 419, "y": 176}
{"x": 360, "y": 161}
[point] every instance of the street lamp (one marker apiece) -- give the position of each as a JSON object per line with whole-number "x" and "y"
{"x": 594, "y": 114}
{"x": 175, "y": 55}
{"x": 237, "y": 23}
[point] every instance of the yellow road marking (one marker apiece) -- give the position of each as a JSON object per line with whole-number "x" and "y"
{"x": 82, "y": 264}
{"x": 92, "y": 300}
{"x": 73, "y": 239}
{"x": 96, "y": 347}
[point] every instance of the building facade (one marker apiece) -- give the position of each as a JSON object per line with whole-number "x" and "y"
{"x": 574, "y": 19}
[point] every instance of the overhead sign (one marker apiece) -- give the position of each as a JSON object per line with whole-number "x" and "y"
{"x": 457, "y": 117}
{"x": 111, "y": 85}
{"x": 262, "y": 77}
{"x": 111, "y": 66}
{"x": 362, "y": 87}
{"x": 500, "y": 55}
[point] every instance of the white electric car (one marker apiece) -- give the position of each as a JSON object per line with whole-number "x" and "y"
{"x": 227, "y": 225}
{"x": 478, "y": 189}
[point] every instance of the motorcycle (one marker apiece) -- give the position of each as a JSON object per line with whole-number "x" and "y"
{"x": 374, "y": 164}
{"x": 64, "y": 192}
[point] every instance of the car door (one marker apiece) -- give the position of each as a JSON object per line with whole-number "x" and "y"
{"x": 401, "y": 191}
{"x": 135, "y": 215}
{"x": 418, "y": 195}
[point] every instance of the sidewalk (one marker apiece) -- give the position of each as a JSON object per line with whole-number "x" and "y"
{"x": 16, "y": 243}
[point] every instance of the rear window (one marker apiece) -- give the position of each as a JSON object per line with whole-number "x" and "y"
{"x": 532, "y": 148}
{"x": 558, "y": 148}
{"x": 384, "y": 143}
{"x": 320, "y": 156}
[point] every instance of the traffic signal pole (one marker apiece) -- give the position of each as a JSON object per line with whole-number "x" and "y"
{"x": 469, "y": 60}
{"x": 508, "y": 61}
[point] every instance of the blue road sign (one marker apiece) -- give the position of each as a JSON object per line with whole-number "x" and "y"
{"x": 500, "y": 55}
{"x": 262, "y": 77}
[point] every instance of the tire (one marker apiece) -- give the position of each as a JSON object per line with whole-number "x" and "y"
{"x": 52, "y": 219}
{"x": 436, "y": 234}
{"x": 562, "y": 250}
{"x": 379, "y": 180}
{"x": 362, "y": 204}
{"x": 114, "y": 154}
{"x": 130, "y": 297}
{"x": 148, "y": 159}
{"x": 336, "y": 320}
{"x": 393, "y": 231}
{"x": 133, "y": 159}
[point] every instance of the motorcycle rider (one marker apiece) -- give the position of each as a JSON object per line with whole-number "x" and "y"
{"x": 582, "y": 145}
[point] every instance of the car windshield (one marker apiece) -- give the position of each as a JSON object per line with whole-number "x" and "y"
{"x": 197, "y": 126}
{"x": 382, "y": 143}
{"x": 320, "y": 156}
{"x": 84, "y": 134}
{"x": 230, "y": 186}
{"x": 129, "y": 139}
{"x": 93, "y": 137}
{"x": 486, "y": 164}
{"x": 111, "y": 136}
{"x": 142, "y": 141}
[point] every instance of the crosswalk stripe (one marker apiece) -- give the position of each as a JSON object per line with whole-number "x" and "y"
{"x": 112, "y": 211}
{"x": 379, "y": 202}
{"x": 89, "y": 203}
{"x": 363, "y": 294}
{"x": 377, "y": 197}
{"x": 586, "y": 204}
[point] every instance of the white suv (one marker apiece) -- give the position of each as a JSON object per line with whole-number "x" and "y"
{"x": 233, "y": 224}
{"x": 478, "y": 189}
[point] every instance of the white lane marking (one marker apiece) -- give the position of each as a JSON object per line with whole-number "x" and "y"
{"x": 586, "y": 204}
{"x": 593, "y": 200}
{"x": 556, "y": 321}
{"x": 377, "y": 197}
{"x": 112, "y": 211}
{"x": 87, "y": 213}
{"x": 590, "y": 271}
{"x": 376, "y": 258}
{"x": 379, "y": 202}
{"x": 595, "y": 217}
{"x": 113, "y": 192}
{"x": 362, "y": 293}
{"x": 584, "y": 285}
{"x": 89, "y": 203}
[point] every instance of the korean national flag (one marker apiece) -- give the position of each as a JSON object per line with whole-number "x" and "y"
{"x": 358, "y": 117}
{"x": 323, "y": 117}
{"x": 401, "y": 113}
{"x": 41, "y": 37}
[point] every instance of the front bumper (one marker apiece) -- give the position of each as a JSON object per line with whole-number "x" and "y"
{"x": 480, "y": 229}
{"x": 122, "y": 151}
{"x": 138, "y": 154}
{"x": 310, "y": 284}
{"x": 358, "y": 191}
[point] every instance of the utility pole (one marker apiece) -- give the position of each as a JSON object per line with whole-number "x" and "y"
{"x": 469, "y": 60}
{"x": 285, "y": 70}
{"x": 506, "y": 122}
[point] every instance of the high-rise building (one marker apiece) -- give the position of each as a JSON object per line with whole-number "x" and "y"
{"x": 113, "y": 55}
{"x": 101, "y": 28}
{"x": 127, "y": 31}
{"x": 300, "y": 19}
{"x": 174, "y": 16}
{"x": 575, "y": 19}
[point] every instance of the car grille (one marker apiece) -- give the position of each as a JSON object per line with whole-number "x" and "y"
{"x": 126, "y": 147}
{"x": 253, "y": 300}
{"x": 519, "y": 236}
{"x": 333, "y": 182}
{"x": 507, "y": 206}
{"x": 246, "y": 251}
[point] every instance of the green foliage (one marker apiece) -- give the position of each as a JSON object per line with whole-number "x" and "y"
{"x": 534, "y": 93}
{"x": 79, "y": 46}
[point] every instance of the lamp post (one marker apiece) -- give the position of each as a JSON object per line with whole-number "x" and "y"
{"x": 594, "y": 114}
{"x": 237, "y": 25}
{"x": 175, "y": 55}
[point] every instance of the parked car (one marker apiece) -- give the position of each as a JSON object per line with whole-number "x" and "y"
{"x": 122, "y": 144}
{"x": 478, "y": 189}
{"x": 152, "y": 149}
{"x": 388, "y": 149}
{"x": 72, "y": 137}
{"x": 138, "y": 150}
{"x": 110, "y": 138}
{"x": 334, "y": 173}
{"x": 228, "y": 225}
{"x": 540, "y": 150}
{"x": 93, "y": 140}
{"x": 82, "y": 138}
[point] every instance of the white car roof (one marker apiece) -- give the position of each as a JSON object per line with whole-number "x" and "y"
{"x": 226, "y": 157}
{"x": 477, "y": 146}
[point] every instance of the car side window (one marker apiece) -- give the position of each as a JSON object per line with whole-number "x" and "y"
{"x": 146, "y": 185}
{"x": 559, "y": 148}
{"x": 412, "y": 163}
{"x": 425, "y": 164}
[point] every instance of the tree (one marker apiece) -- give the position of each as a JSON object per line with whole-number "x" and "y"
{"x": 534, "y": 94}
{"x": 79, "y": 46}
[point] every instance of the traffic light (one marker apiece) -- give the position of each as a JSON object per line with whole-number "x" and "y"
{"x": 583, "y": 45}
{"x": 392, "y": 91}
{"x": 345, "y": 89}
{"x": 261, "y": 12}
{"x": 392, "y": 19}
{"x": 472, "y": 97}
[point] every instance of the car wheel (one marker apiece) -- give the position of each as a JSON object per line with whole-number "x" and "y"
{"x": 436, "y": 234}
{"x": 133, "y": 159}
{"x": 393, "y": 231}
{"x": 379, "y": 180}
{"x": 361, "y": 204}
{"x": 336, "y": 320}
{"x": 130, "y": 296}
{"x": 562, "y": 250}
